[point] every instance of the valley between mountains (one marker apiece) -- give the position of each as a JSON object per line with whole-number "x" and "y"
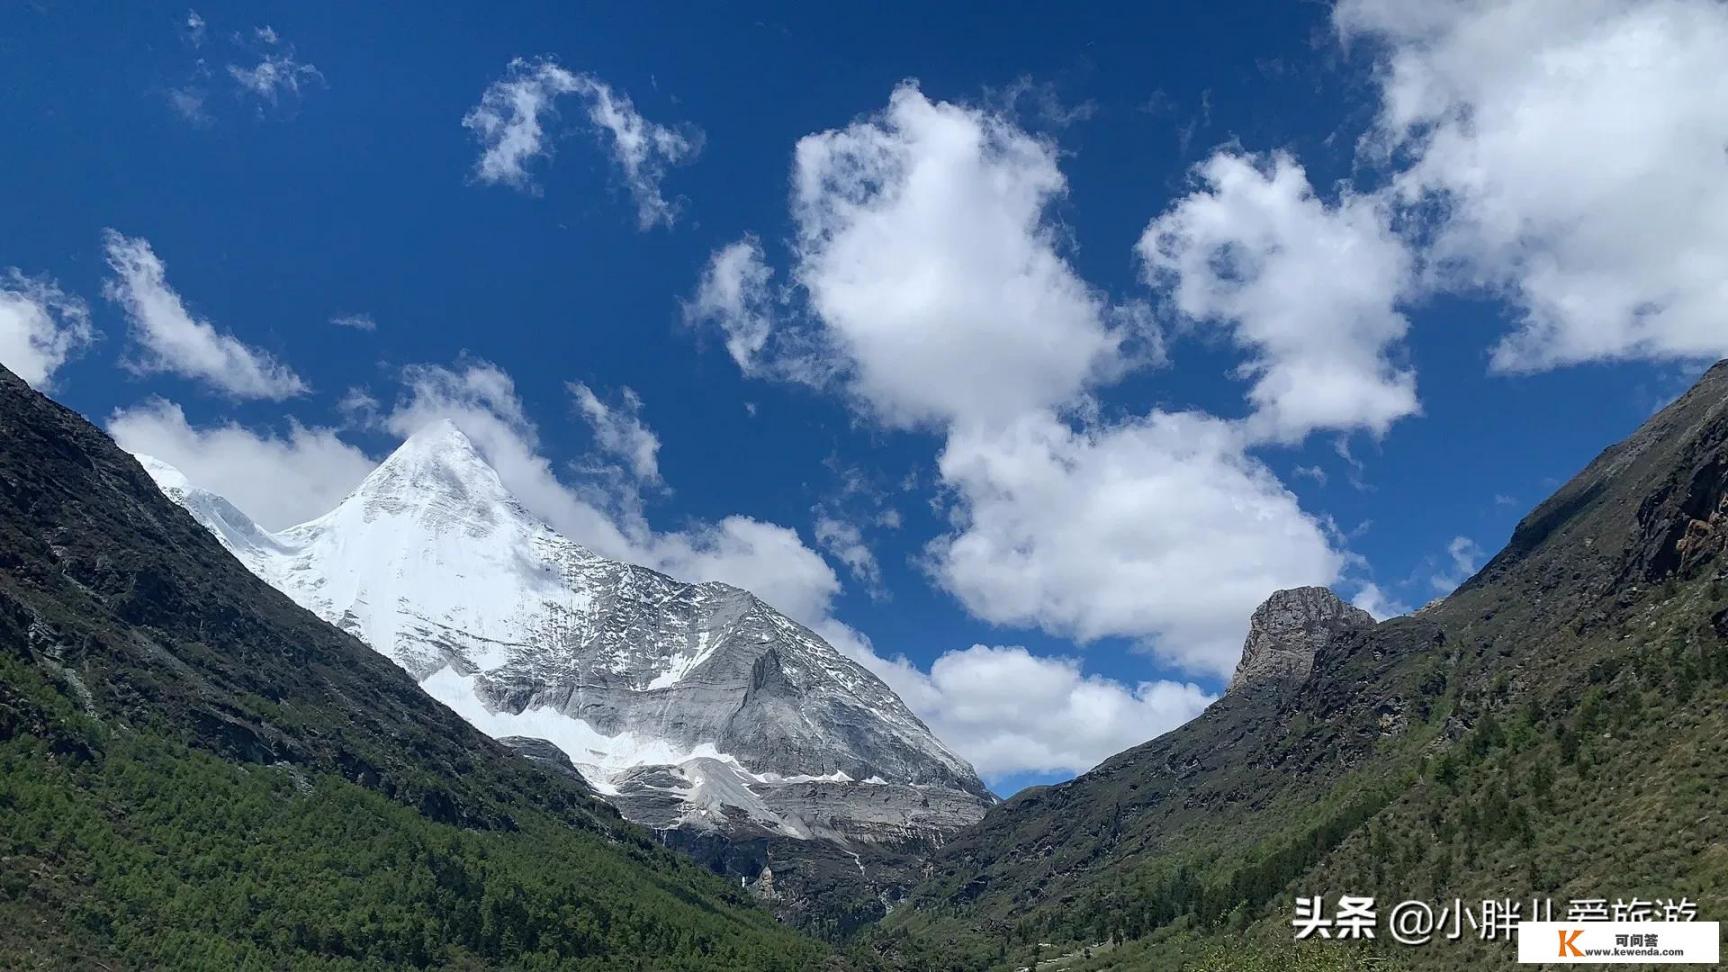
{"x": 424, "y": 730}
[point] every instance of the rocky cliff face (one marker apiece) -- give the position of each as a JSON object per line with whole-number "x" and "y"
{"x": 1289, "y": 630}
{"x": 692, "y": 707}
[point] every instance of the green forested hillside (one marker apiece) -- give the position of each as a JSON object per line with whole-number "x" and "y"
{"x": 195, "y": 773}
{"x": 1558, "y": 727}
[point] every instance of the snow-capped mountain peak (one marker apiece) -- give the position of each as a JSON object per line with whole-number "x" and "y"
{"x": 439, "y": 473}
{"x": 693, "y": 705}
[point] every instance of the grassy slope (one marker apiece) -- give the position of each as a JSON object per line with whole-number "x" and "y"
{"x": 195, "y": 772}
{"x": 1557, "y": 727}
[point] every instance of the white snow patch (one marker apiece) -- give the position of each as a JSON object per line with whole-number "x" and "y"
{"x": 681, "y": 664}
{"x": 838, "y": 776}
{"x": 587, "y": 747}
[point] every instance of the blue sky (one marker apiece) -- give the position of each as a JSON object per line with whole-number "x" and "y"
{"x": 867, "y": 322}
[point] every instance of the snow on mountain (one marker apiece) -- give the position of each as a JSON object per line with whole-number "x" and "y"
{"x": 692, "y": 706}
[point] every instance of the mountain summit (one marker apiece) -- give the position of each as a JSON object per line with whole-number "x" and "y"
{"x": 437, "y": 469}
{"x": 697, "y": 709}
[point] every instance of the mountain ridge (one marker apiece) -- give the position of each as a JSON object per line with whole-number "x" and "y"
{"x": 1491, "y": 744}
{"x": 694, "y": 708}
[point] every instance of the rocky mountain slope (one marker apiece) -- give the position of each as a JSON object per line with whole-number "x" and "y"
{"x": 1557, "y": 727}
{"x": 197, "y": 773}
{"x": 696, "y": 709}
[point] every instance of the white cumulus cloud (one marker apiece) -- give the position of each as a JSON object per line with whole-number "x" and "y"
{"x": 1008, "y": 711}
{"x": 1161, "y": 529}
{"x": 933, "y": 280}
{"x": 278, "y": 480}
{"x": 41, "y": 327}
{"x": 1573, "y": 152}
{"x": 924, "y": 249}
{"x": 1306, "y": 287}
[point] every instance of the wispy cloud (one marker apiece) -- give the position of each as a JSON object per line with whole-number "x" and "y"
{"x": 263, "y": 68}
{"x": 176, "y": 341}
{"x": 510, "y": 124}
{"x": 1040, "y": 102}
{"x": 1463, "y": 558}
{"x": 844, "y": 541}
{"x": 357, "y": 322}
{"x": 1379, "y": 603}
{"x": 1009, "y": 711}
{"x": 619, "y": 431}
{"x": 276, "y": 76}
{"x": 188, "y": 103}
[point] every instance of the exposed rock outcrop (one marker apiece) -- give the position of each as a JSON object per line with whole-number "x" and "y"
{"x": 546, "y": 754}
{"x": 1289, "y": 630}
